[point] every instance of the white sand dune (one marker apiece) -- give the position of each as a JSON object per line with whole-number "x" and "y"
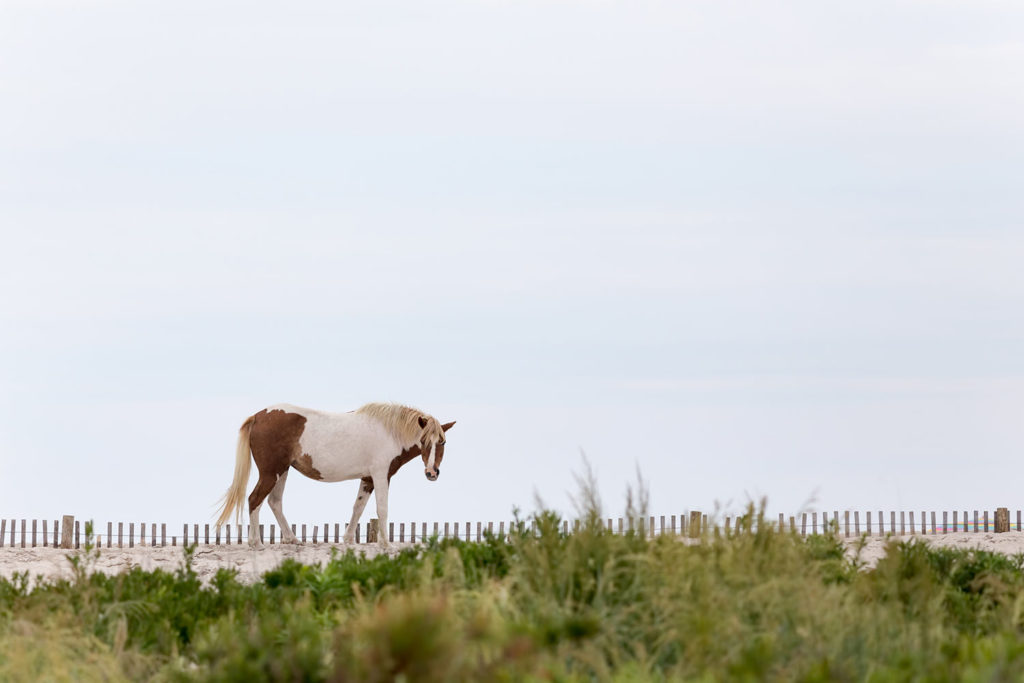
{"x": 53, "y": 562}
{"x": 1008, "y": 543}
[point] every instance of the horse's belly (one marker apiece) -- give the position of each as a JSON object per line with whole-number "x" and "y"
{"x": 323, "y": 467}
{"x": 333, "y": 469}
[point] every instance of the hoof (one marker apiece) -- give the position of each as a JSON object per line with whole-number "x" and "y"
{"x": 292, "y": 541}
{"x": 257, "y": 546}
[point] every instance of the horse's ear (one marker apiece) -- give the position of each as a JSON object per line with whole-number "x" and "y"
{"x": 446, "y": 427}
{"x": 423, "y": 421}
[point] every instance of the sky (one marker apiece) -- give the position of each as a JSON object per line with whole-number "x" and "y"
{"x": 752, "y": 250}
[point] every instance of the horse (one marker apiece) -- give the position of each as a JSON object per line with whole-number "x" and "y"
{"x": 369, "y": 444}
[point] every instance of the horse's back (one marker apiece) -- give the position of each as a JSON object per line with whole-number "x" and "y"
{"x": 340, "y": 446}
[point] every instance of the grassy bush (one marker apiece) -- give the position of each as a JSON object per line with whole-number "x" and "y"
{"x": 750, "y": 605}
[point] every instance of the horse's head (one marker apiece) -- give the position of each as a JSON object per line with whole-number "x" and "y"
{"x": 432, "y": 445}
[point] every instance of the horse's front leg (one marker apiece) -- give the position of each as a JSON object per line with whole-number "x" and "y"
{"x": 365, "y": 489}
{"x": 380, "y": 486}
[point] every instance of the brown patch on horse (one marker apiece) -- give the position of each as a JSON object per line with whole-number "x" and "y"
{"x": 274, "y": 440}
{"x": 402, "y": 458}
{"x": 304, "y": 464}
{"x": 405, "y": 456}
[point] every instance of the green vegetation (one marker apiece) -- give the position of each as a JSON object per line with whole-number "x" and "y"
{"x": 753, "y": 605}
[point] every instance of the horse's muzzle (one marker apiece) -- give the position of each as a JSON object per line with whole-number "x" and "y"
{"x": 432, "y": 476}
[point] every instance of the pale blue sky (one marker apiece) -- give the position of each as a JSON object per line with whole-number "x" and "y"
{"x": 757, "y": 249}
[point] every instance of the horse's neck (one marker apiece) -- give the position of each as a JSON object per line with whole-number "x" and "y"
{"x": 405, "y": 456}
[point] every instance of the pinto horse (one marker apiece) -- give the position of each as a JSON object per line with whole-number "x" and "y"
{"x": 370, "y": 444}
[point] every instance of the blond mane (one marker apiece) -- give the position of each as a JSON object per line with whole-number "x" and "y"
{"x": 402, "y": 422}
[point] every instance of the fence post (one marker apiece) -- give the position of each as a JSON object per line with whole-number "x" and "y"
{"x": 67, "y": 526}
{"x": 371, "y": 533}
{"x": 695, "y": 523}
{"x": 1002, "y": 520}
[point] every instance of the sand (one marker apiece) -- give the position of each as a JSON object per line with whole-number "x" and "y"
{"x": 53, "y": 562}
{"x": 1009, "y": 543}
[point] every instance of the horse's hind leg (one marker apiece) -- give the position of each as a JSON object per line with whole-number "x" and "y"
{"x": 287, "y": 535}
{"x": 365, "y": 489}
{"x": 264, "y": 486}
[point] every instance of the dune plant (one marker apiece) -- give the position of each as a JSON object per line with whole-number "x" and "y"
{"x": 753, "y": 603}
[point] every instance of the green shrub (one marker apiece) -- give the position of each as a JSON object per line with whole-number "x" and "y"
{"x": 752, "y": 604}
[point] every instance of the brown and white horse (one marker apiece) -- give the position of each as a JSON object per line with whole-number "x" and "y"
{"x": 370, "y": 444}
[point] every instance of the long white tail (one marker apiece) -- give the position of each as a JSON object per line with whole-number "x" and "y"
{"x": 234, "y": 499}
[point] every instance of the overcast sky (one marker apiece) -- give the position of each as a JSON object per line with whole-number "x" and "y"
{"x": 755, "y": 249}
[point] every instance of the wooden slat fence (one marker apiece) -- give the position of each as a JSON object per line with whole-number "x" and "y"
{"x": 69, "y": 533}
